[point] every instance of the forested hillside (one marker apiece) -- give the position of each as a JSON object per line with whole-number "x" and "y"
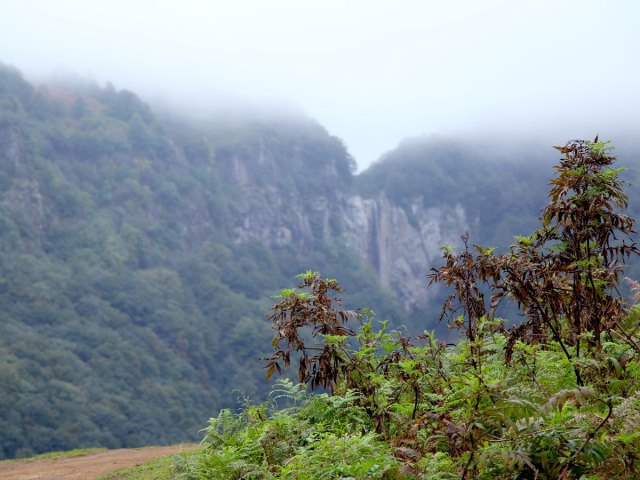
{"x": 131, "y": 308}
{"x": 139, "y": 253}
{"x": 503, "y": 189}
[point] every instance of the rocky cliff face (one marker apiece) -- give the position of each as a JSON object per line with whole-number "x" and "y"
{"x": 22, "y": 196}
{"x": 402, "y": 243}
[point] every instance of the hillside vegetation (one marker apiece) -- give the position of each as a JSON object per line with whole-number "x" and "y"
{"x": 130, "y": 309}
{"x": 140, "y": 251}
{"x": 555, "y": 396}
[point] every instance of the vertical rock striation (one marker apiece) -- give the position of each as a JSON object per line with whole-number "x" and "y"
{"x": 401, "y": 243}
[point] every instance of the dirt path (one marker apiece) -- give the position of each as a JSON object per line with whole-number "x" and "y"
{"x": 87, "y": 467}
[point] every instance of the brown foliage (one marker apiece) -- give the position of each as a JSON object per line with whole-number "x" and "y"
{"x": 565, "y": 277}
{"x": 315, "y": 308}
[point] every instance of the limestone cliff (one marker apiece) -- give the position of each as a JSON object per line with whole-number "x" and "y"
{"x": 401, "y": 242}
{"x": 403, "y": 251}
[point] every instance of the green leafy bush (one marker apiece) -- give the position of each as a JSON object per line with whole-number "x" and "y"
{"x": 554, "y": 397}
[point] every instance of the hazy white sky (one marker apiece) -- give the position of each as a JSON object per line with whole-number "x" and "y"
{"x": 372, "y": 72}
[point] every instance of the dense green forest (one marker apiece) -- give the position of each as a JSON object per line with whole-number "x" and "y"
{"x": 139, "y": 252}
{"x": 130, "y": 312}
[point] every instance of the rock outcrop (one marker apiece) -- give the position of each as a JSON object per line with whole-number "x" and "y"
{"x": 402, "y": 243}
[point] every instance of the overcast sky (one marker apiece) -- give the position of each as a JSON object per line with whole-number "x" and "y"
{"x": 372, "y": 72}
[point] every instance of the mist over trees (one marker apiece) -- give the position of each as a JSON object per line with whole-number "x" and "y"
{"x": 134, "y": 284}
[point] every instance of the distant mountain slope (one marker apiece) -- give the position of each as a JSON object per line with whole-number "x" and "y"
{"x": 502, "y": 190}
{"x": 139, "y": 254}
{"x": 136, "y": 261}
